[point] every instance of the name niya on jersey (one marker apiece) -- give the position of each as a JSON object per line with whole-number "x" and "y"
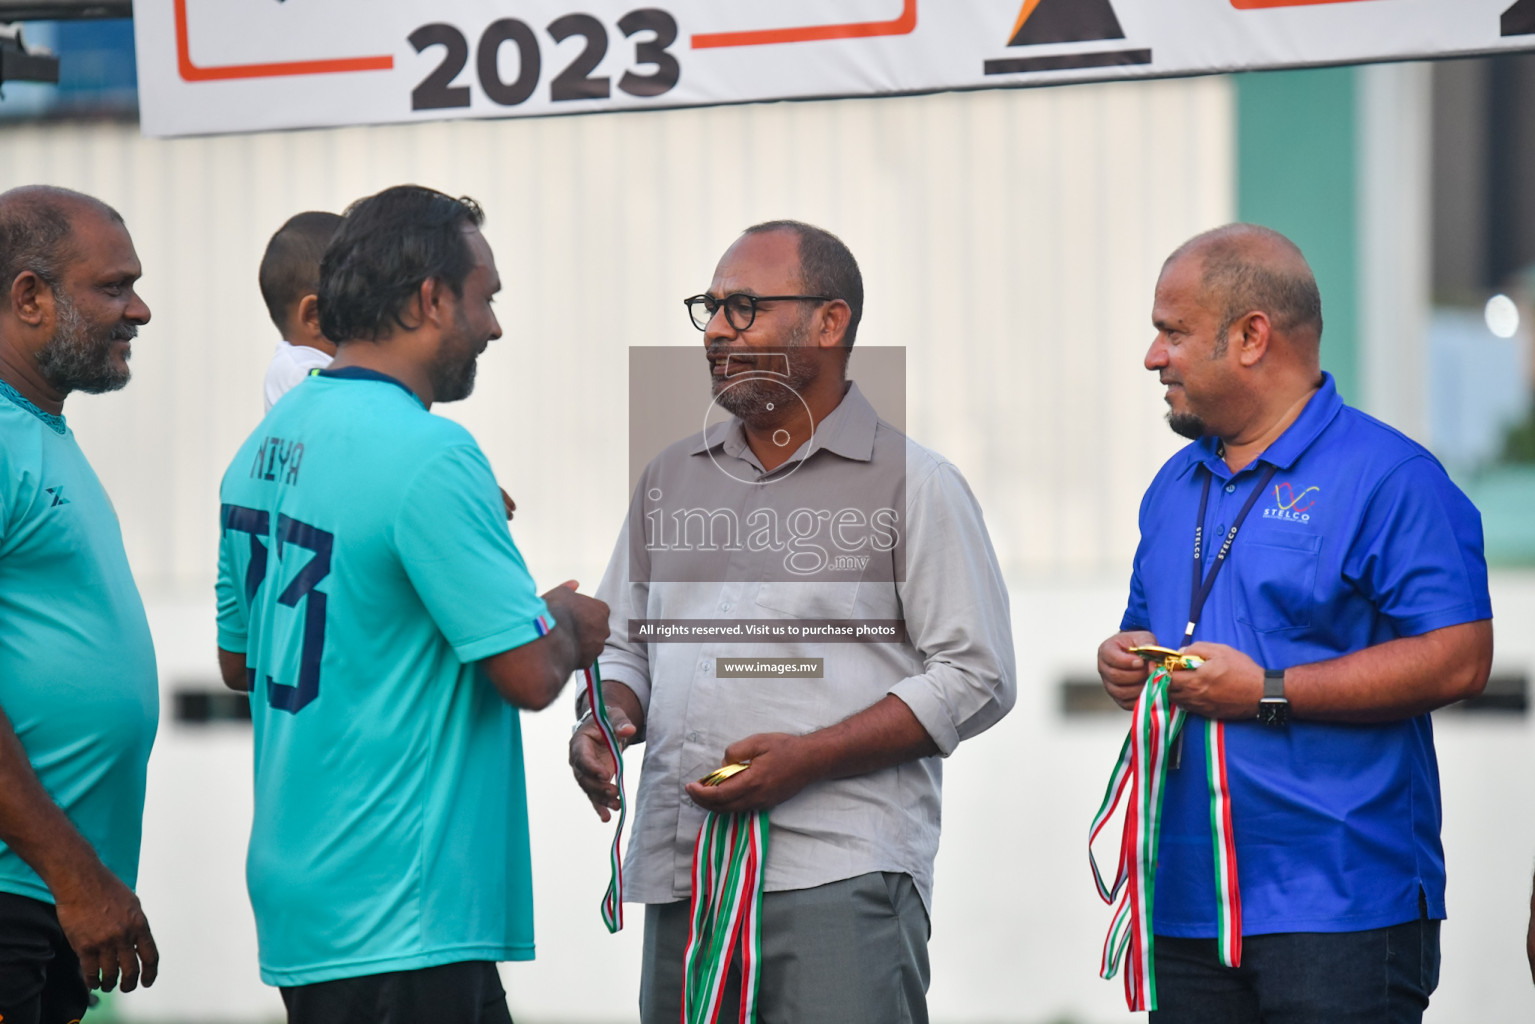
{"x": 278, "y": 460}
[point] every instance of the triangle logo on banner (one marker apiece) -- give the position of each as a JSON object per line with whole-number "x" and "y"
{"x": 1050, "y": 23}
{"x": 1065, "y": 21}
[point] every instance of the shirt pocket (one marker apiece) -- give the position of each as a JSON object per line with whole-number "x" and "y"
{"x": 809, "y": 600}
{"x": 1277, "y": 582}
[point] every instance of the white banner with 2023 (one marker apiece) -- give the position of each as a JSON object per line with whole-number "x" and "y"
{"x": 208, "y": 66}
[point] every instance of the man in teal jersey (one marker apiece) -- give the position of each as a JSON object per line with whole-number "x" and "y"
{"x": 372, "y": 600}
{"x": 79, "y": 699}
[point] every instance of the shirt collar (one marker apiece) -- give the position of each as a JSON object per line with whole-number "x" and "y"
{"x": 363, "y": 373}
{"x": 848, "y": 431}
{"x": 54, "y": 422}
{"x": 1321, "y": 409}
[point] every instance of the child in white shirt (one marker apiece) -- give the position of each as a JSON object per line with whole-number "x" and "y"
{"x": 290, "y": 281}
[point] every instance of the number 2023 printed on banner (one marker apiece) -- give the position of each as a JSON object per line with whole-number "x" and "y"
{"x": 576, "y": 82}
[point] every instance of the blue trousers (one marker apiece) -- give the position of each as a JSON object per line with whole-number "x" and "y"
{"x": 1382, "y": 976}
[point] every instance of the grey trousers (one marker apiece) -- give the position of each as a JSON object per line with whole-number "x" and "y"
{"x": 850, "y": 952}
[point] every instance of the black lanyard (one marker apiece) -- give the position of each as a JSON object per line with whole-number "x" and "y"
{"x": 1202, "y": 587}
{"x": 1204, "y": 584}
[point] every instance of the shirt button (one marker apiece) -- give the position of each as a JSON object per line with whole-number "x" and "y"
{"x": 725, "y": 607}
{"x": 1231, "y": 488}
{"x": 693, "y": 737}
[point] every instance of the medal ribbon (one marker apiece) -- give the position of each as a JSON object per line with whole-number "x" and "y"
{"x": 1148, "y": 753}
{"x": 613, "y": 900}
{"x": 727, "y": 902}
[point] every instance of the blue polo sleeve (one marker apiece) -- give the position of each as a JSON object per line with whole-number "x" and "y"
{"x": 1138, "y": 612}
{"x": 453, "y": 541}
{"x": 1418, "y": 552}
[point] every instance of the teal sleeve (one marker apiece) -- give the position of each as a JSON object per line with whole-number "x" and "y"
{"x": 452, "y": 539}
{"x": 7, "y": 491}
{"x": 232, "y": 611}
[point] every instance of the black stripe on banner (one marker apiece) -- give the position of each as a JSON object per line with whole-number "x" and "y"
{"x": 1519, "y": 20}
{"x": 1067, "y": 62}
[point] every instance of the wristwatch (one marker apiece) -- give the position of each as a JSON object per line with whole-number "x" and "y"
{"x": 1273, "y": 709}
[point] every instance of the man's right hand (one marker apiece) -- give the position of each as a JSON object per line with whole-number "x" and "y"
{"x": 591, "y": 763}
{"x": 1124, "y": 674}
{"x": 106, "y": 928}
{"x": 532, "y": 675}
{"x": 587, "y": 617}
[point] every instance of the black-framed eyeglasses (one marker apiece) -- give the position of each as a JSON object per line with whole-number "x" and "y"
{"x": 740, "y": 308}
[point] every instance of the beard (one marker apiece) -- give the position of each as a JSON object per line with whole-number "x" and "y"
{"x": 452, "y": 373}
{"x": 453, "y": 383}
{"x": 748, "y": 396}
{"x": 1186, "y": 424}
{"x": 79, "y": 357}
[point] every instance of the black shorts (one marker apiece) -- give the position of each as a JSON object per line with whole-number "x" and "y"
{"x": 462, "y": 993}
{"x": 40, "y": 979}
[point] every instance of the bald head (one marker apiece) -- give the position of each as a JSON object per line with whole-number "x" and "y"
{"x": 1245, "y": 268}
{"x": 36, "y": 228}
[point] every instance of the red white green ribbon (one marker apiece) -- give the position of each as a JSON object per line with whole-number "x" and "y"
{"x": 1141, "y": 772}
{"x": 613, "y": 900}
{"x": 727, "y": 902}
{"x": 1228, "y": 895}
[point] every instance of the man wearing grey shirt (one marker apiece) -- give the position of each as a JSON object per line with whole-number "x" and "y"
{"x": 803, "y": 511}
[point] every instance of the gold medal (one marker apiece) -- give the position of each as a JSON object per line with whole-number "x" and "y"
{"x": 1169, "y": 658}
{"x": 719, "y": 775}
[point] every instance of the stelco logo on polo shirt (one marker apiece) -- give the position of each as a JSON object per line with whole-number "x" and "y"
{"x": 1292, "y": 505}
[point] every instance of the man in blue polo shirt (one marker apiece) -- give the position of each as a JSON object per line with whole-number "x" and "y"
{"x": 372, "y": 601}
{"x": 1355, "y": 602}
{"x": 79, "y": 695}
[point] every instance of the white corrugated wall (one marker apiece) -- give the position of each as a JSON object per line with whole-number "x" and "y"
{"x": 1009, "y": 241}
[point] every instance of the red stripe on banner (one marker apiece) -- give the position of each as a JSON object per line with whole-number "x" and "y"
{"x": 1259, "y": 5}
{"x": 336, "y": 65}
{"x": 903, "y": 24}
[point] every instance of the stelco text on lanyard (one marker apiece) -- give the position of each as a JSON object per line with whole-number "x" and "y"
{"x": 1205, "y": 582}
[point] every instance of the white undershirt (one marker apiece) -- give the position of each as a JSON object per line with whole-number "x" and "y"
{"x": 291, "y": 364}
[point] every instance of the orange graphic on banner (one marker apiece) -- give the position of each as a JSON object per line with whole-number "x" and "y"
{"x": 192, "y": 73}
{"x": 1023, "y": 16}
{"x": 902, "y": 25}
{"x": 1050, "y": 22}
{"x": 1257, "y": 5}
{"x": 1041, "y": 22}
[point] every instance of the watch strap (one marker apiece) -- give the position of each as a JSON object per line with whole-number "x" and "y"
{"x": 1273, "y": 684}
